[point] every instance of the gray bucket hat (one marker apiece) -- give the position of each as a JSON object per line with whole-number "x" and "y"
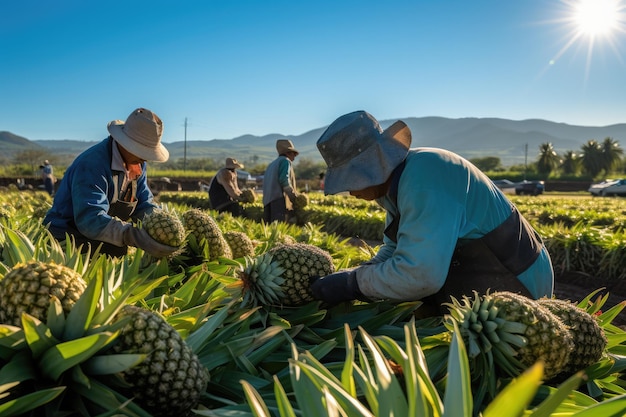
{"x": 359, "y": 154}
{"x": 140, "y": 135}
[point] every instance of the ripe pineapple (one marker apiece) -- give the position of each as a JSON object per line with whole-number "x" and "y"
{"x": 28, "y": 287}
{"x": 516, "y": 330}
{"x": 204, "y": 228}
{"x": 247, "y": 196}
{"x": 170, "y": 380}
{"x": 165, "y": 227}
{"x": 302, "y": 200}
{"x": 240, "y": 244}
{"x": 589, "y": 338}
{"x": 282, "y": 274}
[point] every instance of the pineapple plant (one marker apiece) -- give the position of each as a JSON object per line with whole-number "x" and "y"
{"x": 70, "y": 352}
{"x": 589, "y": 338}
{"x": 247, "y": 196}
{"x": 29, "y": 287}
{"x": 204, "y": 230}
{"x": 301, "y": 201}
{"x": 282, "y": 275}
{"x": 513, "y": 329}
{"x": 240, "y": 244}
{"x": 165, "y": 227}
{"x": 170, "y": 380}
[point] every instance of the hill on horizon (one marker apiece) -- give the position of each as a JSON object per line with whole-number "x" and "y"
{"x": 510, "y": 140}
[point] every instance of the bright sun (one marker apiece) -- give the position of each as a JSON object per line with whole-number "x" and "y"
{"x": 590, "y": 24}
{"x": 596, "y": 17}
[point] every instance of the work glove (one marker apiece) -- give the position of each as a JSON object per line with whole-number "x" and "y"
{"x": 290, "y": 193}
{"x": 139, "y": 238}
{"x": 338, "y": 287}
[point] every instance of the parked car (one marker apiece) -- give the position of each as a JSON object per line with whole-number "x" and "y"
{"x": 506, "y": 186}
{"x": 608, "y": 188}
{"x": 529, "y": 188}
{"x": 245, "y": 180}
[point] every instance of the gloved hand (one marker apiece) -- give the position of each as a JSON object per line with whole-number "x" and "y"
{"x": 139, "y": 238}
{"x": 337, "y": 287}
{"x": 290, "y": 193}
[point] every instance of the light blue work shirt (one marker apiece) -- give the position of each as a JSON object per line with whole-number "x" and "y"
{"x": 443, "y": 200}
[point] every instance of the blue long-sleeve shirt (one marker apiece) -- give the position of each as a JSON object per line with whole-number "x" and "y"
{"x": 443, "y": 200}
{"x": 86, "y": 192}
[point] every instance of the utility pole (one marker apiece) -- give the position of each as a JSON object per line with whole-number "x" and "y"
{"x": 525, "y": 160}
{"x": 185, "y": 148}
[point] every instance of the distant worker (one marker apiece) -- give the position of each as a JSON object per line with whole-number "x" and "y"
{"x": 224, "y": 192}
{"x": 106, "y": 188}
{"x": 279, "y": 184}
{"x": 47, "y": 175}
{"x": 322, "y": 176}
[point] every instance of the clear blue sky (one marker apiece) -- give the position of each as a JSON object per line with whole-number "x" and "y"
{"x": 235, "y": 67}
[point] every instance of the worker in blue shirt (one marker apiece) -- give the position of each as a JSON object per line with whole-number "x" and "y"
{"x": 449, "y": 230}
{"x": 105, "y": 189}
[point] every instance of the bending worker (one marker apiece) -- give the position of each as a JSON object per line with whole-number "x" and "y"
{"x": 223, "y": 191}
{"x": 448, "y": 231}
{"x": 106, "y": 188}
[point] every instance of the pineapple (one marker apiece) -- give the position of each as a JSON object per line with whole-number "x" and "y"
{"x": 589, "y": 338}
{"x": 301, "y": 201}
{"x": 170, "y": 380}
{"x": 240, "y": 244}
{"x": 516, "y": 330}
{"x": 282, "y": 274}
{"x": 203, "y": 227}
{"x": 247, "y": 196}
{"x": 28, "y": 287}
{"x": 165, "y": 227}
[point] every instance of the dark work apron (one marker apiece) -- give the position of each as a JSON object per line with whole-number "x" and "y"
{"x": 490, "y": 263}
{"x": 124, "y": 202}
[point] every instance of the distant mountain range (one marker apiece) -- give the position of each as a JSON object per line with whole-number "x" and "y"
{"x": 510, "y": 140}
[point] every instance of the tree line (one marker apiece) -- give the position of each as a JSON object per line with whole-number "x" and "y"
{"x": 593, "y": 160}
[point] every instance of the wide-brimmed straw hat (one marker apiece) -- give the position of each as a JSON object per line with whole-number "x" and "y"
{"x": 285, "y": 145}
{"x": 359, "y": 153}
{"x": 141, "y": 135}
{"x": 233, "y": 164}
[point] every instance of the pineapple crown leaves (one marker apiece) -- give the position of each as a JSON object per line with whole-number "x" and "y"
{"x": 261, "y": 279}
{"x": 478, "y": 320}
{"x": 516, "y": 334}
{"x": 33, "y": 241}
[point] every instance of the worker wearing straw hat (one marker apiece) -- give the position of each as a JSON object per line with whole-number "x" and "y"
{"x": 105, "y": 189}
{"x": 224, "y": 192}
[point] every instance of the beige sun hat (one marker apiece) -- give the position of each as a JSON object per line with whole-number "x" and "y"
{"x": 285, "y": 145}
{"x": 359, "y": 154}
{"x": 232, "y": 163}
{"x": 141, "y": 135}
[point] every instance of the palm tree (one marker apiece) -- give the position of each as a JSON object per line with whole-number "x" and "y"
{"x": 570, "y": 163}
{"x": 593, "y": 160}
{"x": 611, "y": 154}
{"x": 548, "y": 159}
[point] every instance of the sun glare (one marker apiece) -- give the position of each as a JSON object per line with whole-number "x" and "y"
{"x": 596, "y": 17}
{"x": 591, "y": 24}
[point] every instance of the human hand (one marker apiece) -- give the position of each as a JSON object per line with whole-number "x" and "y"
{"x": 139, "y": 238}
{"x": 337, "y": 287}
{"x": 291, "y": 194}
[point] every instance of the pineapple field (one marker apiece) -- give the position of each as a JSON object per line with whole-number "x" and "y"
{"x": 226, "y": 326}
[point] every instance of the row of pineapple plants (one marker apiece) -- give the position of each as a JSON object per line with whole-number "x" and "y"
{"x": 583, "y": 234}
{"x": 248, "y": 342}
